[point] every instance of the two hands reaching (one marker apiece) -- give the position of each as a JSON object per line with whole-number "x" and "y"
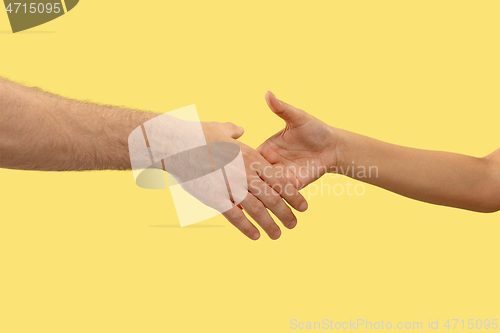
{"x": 44, "y": 132}
{"x": 267, "y": 188}
{"x": 286, "y": 162}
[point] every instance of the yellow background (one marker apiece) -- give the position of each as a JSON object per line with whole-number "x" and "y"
{"x": 91, "y": 252}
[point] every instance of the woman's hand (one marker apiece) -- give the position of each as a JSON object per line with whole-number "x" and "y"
{"x": 305, "y": 149}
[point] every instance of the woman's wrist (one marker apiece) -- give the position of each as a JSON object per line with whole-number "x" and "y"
{"x": 336, "y": 149}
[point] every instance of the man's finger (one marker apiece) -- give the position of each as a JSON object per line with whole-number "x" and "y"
{"x": 273, "y": 201}
{"x": 277, "y": 179}
{"x": 292, "y": 178}
{"x": 240, "y": 221}
{"x": 259, "y": 213}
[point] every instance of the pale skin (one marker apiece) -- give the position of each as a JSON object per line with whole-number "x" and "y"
{"x": 436, "y": 177}
{"x": 44, "y": 132}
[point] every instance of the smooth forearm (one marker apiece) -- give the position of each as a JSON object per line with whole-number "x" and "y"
{"x": 436, "y": 177}
{"x": 41, "y": 131}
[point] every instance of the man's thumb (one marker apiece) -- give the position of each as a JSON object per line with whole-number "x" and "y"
{"x": 290, "y": 114}
{"x": 233, "y": 130}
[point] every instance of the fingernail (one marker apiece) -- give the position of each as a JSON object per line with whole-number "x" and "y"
{"x": 277, "y": 234}
{"x": 292, "y": 224}
{"x": 276, "y": 98}
{"x": 303, "y": 206}
{"x": 255, "y": 236}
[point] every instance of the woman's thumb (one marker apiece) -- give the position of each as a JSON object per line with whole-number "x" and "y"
{"x": 290, "y": 114}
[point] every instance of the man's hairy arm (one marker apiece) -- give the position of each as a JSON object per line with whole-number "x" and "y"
{"x": 41, "y": 131}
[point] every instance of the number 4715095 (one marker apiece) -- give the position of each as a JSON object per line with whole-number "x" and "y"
{"x": 471, "y": 324}
{"x": 34, "y": 7}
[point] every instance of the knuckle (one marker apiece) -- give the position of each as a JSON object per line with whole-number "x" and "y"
{"x": 287, "y": 214}
{"x": 248, "y": 230}
{"x": 283, "y": 182}
{"x": 291, "y": 191}
{"x": 257, "y": 207}
{"x": 274, "y": 200}
{"x": 280, "y": 186}
{"x": 288, "y": 218}
{"x": 239, "y": 218}
{"x": 234, "y": 216}
{"x": 247, "y": 153}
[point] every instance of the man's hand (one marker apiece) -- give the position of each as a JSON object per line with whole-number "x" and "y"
{"x": 305, "y": 149}
{"x": 223, "y": 173}
{"x": 267, "y": 187}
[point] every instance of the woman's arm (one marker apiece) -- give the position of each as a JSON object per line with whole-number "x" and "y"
{"x": 436, "y": 177}
{"x": 314, "y": 148}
